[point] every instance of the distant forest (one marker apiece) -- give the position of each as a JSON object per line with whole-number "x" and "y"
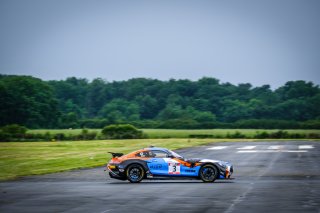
{"x": 150, "y": 103}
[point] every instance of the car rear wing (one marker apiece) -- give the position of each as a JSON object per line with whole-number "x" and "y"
{"x": 115, "y": 155}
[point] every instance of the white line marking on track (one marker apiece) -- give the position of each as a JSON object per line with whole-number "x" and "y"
{"x": 306, "y": 147}
{"x": 274, "y": 147}
{"x": 256, "y": 151}
{"x": 107, "y": 210}
{"x": 217, "y": 147}
{"x": 247, "y": 147}
{"x": 247, "y": 151}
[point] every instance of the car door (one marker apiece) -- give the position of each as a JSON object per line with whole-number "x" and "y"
{"x": 157, "y": 163}
{"x": 187, "y": 170}
{"x": 178, "y": 166}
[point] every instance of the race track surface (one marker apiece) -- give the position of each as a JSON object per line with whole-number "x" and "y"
{"x": 269, "y": 177}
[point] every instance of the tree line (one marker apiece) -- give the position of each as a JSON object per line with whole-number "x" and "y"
{"x": 150, "y": 103}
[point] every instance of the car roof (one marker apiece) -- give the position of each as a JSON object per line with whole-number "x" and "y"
{"x": 156, "y": 148}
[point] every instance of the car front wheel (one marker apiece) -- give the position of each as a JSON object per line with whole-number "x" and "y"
{"x": 135, "y": 173}
{"x": 208, "y": 173}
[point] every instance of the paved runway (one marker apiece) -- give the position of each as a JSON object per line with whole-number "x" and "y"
{"x": 269, "y": 177}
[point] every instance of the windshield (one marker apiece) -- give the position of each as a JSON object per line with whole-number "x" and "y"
{"x": 175, "y": 154}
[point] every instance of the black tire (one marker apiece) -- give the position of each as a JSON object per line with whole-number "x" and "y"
{"x": 135, "y": 173}
{"x": 208, "y": 173}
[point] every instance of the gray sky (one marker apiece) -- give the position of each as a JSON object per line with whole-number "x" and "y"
{"x": 237, "y": 41}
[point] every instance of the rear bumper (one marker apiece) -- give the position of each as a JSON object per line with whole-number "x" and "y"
{"x": 115, "y": 174}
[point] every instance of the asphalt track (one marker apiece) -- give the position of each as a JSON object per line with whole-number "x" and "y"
{"x": 269, "y": 177}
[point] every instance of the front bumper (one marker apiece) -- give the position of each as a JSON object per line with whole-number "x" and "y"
{"x": 226, "y": 171}
{"x": 229, "y": 171}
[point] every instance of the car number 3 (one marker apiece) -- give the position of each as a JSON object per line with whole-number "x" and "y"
{"x": 174, "y": 168}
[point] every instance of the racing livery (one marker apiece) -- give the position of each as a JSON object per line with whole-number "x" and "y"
{"x": 161, "y": 163}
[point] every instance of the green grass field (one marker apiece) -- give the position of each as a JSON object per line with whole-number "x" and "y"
{"x": 181, "y": 133}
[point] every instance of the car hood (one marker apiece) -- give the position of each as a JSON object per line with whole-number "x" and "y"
{"x": 197, "y": 160}
{"x": 214, "y": 161}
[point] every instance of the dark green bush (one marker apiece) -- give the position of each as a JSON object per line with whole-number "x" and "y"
{"x": 262, "y": 135}
{"x": 279, "y": 134}
{"x": 121, "y": 131}
{"x": 12, "y": 132}
{"x": 4, "y": 136}
{"x": 313, "y": 136}
{"x": 85, "y": 135}
{"x": 237, "y": 134}
{"x": 59, "y": 136}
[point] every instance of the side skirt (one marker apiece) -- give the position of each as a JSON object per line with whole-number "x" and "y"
{"x": 160, "y": 177}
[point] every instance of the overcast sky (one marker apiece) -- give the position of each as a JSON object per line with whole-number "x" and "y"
{"x": 237, "y": 41}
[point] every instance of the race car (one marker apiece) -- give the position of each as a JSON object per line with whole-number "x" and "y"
{"x": 162, "y": 163}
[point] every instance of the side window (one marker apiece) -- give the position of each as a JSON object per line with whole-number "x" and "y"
{"x": 144, "y": 154}
{"x": 159, "y": 154}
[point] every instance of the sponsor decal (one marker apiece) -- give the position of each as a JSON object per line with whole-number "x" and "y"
{"x": 156, "y": 166}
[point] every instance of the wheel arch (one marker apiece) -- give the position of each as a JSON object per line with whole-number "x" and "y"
{"x": 212, "y": 164}
{"x": 142, "y": 163}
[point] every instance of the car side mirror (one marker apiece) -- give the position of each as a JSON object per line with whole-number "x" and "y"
{"x": 170, "y": 156}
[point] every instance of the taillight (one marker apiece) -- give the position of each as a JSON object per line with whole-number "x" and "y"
{"x": 111, "y": 166}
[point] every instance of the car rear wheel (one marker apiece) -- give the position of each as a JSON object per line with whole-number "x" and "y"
{"x": 135, "y": 173}
{"x": 208, "y": 173}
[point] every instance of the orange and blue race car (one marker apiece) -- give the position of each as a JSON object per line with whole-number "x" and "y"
{"x": 162, "y": 163}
